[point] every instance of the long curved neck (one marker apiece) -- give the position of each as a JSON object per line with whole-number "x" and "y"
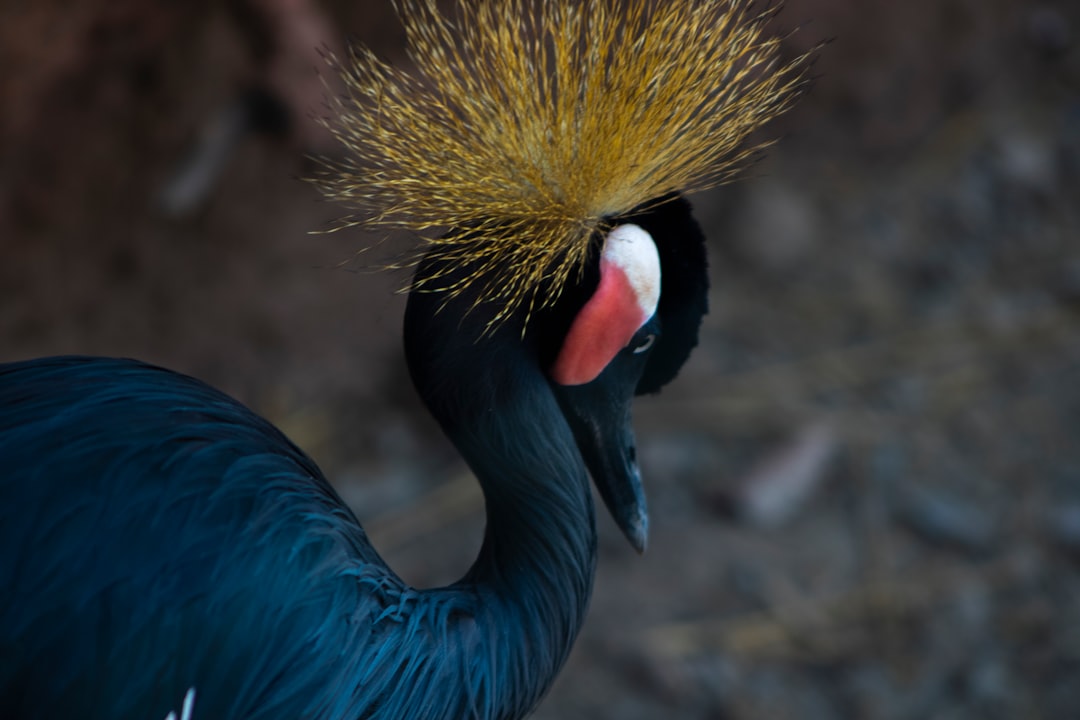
{"x": 519, "y": 608}
{"x": 510, "y": 622}
{"x": 535, "y": 570}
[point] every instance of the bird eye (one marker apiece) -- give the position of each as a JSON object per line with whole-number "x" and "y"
{"x": 645, "y": 344}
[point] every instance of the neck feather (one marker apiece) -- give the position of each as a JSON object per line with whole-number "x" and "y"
{"x": 534, "y": 574}
{"x": 500, "y": 634}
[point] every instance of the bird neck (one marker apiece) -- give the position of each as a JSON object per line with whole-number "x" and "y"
{"x": 534, "y": 574}
{"x": 510, "y": 622}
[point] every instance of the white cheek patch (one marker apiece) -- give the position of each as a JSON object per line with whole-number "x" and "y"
{"x": 624, "y": 300}
{"x": 633, "y": 251}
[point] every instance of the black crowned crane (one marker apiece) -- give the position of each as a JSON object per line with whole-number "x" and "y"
{"x": 168, "y": 553}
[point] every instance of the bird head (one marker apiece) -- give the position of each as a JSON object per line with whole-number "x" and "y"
{"x": 630, "y": 335}
{"x": 539, "y": 151}
{"x": 621, "y": 327}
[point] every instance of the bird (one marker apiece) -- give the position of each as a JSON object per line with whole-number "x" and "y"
{"x": 168, "y": 553}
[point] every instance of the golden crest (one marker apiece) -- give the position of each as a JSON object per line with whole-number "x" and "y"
{"x": 529, "y": 122}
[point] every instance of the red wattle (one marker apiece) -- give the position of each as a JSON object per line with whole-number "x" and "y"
{"x": 602, "y": 328}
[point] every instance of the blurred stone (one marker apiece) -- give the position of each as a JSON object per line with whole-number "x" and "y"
{"x": 969, "y": 613}
{"x": 746, "y": 579}
{"x": 989, "y": 681}
{"x": 1028, "y": 161}
{"x": 773, "y": 492}
{"x": 889, "y": 463}
{"x": 1064, "y": 527}
{"x": 945, "y": 520}
{"x": 196, "y": 177}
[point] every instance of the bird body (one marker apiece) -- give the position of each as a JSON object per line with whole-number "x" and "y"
{"x": 200, "y": 548}
{"x": 160, "y": 537}
{"x": 166, "y": 553}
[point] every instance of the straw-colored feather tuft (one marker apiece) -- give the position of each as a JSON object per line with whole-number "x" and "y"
{"x": 529, "y": 122}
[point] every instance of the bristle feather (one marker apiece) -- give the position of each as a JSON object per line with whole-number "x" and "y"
{"x": 529, "y": 122}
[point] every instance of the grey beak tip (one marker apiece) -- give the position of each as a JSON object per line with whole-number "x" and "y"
{"x": 637, "y": 532}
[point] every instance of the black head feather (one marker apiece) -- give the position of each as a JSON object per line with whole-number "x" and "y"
{"x": 683, "y": 301}
{"x": 684, "y": 294}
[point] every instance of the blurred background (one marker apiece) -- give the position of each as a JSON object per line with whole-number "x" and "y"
{"x": 865, "y": 485}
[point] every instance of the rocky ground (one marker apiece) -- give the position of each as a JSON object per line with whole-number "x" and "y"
{"x": 865, "y": 486}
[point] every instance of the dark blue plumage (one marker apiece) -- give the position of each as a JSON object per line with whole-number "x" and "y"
{"x": 194, "y": 546}
{"x": 157, "y": 536}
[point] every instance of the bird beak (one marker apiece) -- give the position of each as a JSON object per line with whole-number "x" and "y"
{"x": 611, "y": 456}
{"x": 614, "y": 468}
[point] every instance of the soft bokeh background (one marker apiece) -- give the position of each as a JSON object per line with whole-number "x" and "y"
{"x": 865, "y": 486}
